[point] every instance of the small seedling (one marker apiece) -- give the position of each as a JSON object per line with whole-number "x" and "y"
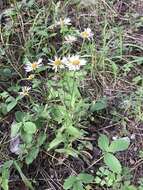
{"x": 109, "y": 149}
{"x": 105, "y": 177}
{"x": 77, "y": 182}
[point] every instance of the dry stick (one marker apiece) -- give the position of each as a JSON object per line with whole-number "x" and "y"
{"x": 45, "y": 174}
{"x": 140, "y": 162}
{"x": 113, "y": 10}
{"x": 94, "y": 162}
{"x": 58, "y": 160}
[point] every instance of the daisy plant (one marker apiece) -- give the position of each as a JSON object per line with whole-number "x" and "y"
{"x": 25, "y": 91}
{"x": 63, "y": 22}
{"x": 87, "y": 34}
{"x": 56, "y": 64}
{"x": 29, "y": 67}
{"x": 74, "y": 62}
{"x": 69, "y": 39}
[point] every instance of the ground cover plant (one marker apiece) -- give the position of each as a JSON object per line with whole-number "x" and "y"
{"x": 71, "y": 94}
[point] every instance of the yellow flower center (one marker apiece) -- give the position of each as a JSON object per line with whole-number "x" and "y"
{"x": 25, "y": 92}
{"x": 34, "y": 65}
{"x": 85, "y": 34}
{"x": 30, "y": 77}
{"x": 57, "y": 62}
{"x": 75, "y": 62}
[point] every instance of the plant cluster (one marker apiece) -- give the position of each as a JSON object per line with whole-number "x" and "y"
{"x": 46, "y": 62}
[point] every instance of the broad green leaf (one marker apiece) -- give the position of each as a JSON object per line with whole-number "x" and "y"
{"x": 24, "y": 178}
{"x": 29, "y": 127}
{"x": 112, "y": 162}
{"x": 73, "y": 131}
{"x": 41, "y": 139}
{"x": 99, "y": 105}
{"x": 58, "y": 113}
{"x": 20, "y": 116}
{"x": 27, "y": 138}
{"x": 15, "y": 129}
{"x": 7, "y": 73}
{"x": 11, "y": 105}
{"x": 78, "y": 186}
{"x": 98, "y": 180}
{"x": 103, "y": 143}
{"x": 56, "y": 141}
{"x": 32, "y": 155}
{"x": 119, "y": 144}
{"x": 4, "y": 94}
{"x": 69, "y": 182}
{"x": 10, "y": 99}
{"x": 85, "y": 178}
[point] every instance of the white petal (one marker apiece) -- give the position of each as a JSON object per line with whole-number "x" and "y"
{"x": 14, "y": 145}
{"x": 40, "y": 61}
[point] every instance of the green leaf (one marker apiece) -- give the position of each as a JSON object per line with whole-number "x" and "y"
{"x": 97, "y": 180}
{"x": 68, "y": 151}
{"x": 119, "y": 144}
{"x": 73, "y": 131}
{"x": 24, "y": 178}
{"x": 27, "y": 138}
{"x": 30, "y": 3}
{"x": 11, "y": 105}
{"x": 56, "y": 141}
{"x": 7, "y": 73}
{"x": 69, "y": 182}
{"x": 32, "y": 155}
{"x": 99, "y": 105}
{"x": 41, "y": 139}
{"x": 103, "y": 143}
{"x": 137, "y": 79}
{"x": 20, "y": 116}
{"x": 78, "y": 186}
{"x": 5, "y": 174}
{"x": 85, "y": 178}
{"x": 112, "y": 162}
{"x": 15, "y": 129}
{"x": 29, "y": 127}
{"x": 58, "y": 113}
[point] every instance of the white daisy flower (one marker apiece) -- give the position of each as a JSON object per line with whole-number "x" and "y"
{"x": 69, "y": 39}
{"x": 56, "y": 64}
{"x": 25, "y": 91}
{"x": 74, "y": 62}
{"x": 63, "y": 22}
{"x": 33, "y": 66}
{"x": 87, "y": 34}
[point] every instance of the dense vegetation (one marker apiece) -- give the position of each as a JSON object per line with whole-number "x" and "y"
{"x": 71, "y": 95}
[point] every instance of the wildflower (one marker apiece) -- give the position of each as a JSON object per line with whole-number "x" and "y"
{"x": 69, "y": 39}
{"x": 56, "y": 63}
{"x": 15, "y": 145}
{"x": 25, "y": 91}
{"x": 74, "y": 62}
{"x": 33, "y": 66}
{"x": 87, "y": 34}
{"x": 63, "y": 22}
{"x": 30, "y": 77}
